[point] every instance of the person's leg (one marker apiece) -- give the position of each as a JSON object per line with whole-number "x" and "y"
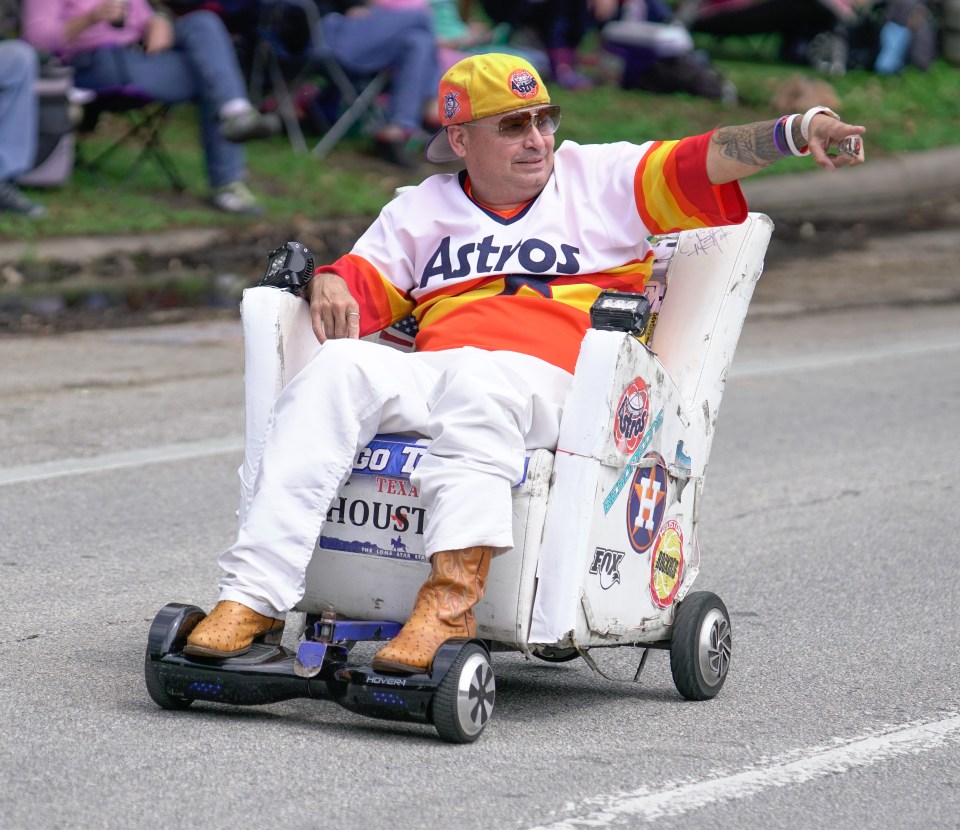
{"x": 416, "y": 69}
{"x": 562, "y": 25}
{"x": 171, "y": 78}
{"x": 484, "y": 414}
{"x": 349, "y": 391}
{"x": 205, "y": 43}
{"x": 401, "y": 40}
{"x": 18, "y": 124}
{"x": 201, "y": 68}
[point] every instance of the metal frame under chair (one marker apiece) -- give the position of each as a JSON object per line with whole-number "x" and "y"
{"x": 146, "y": 118}
{"x": 280, "y": 70}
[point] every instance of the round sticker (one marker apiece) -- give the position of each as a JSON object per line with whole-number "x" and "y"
{"x": 666, "y": 564}
{"x": 630, "y": 420}
{"x": 523, "y": 84}
{"x": 646, "y": 502}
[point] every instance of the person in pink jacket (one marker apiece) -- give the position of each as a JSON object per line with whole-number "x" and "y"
{"x": 117, "y": 43}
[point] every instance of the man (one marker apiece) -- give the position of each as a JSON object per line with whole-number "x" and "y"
{"x": 18, "y": 125}
{"x": 499, "y": 264}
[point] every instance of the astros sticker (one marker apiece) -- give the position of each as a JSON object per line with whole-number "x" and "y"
{"x": 666, "y": 564}
{"x": 523, "y": 84}
{"x": 451, "y": 104}
{"x": 632, "y": 414}
{"x": 647, "y": 501}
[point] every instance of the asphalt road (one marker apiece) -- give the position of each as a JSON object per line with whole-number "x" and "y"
{"x": 829, "y": 529}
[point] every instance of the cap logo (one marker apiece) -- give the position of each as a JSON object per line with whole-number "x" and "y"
{"x": 451, "y": 105}
{"x": 523, "y": 84}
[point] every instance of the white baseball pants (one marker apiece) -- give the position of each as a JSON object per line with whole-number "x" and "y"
{"x": 482, "y": 410}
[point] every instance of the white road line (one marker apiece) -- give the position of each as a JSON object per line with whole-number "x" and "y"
{"x": 828, "y": 360}
{"x": 120, "y": 460}
{"x": 191, "y": 450}
{"x": 815, "y": 762}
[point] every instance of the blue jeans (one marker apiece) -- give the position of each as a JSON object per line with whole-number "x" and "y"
{"x": 18, "y": 109}
{"x": 201, "y": 67}
{"x": 403, "y": 41}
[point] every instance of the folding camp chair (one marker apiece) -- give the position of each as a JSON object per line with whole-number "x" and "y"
{"x": 146, "y": 119}
{"x": 290, "y": 50}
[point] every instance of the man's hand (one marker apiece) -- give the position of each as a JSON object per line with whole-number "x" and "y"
{"x": 333, "y": 311}
{"x": 825, "y": 132}
{"x": 159, "y": 35}
{"x": 109, "y": 11}
{"x": 738, "y": 152}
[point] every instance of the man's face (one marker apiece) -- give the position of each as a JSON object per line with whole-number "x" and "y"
{"x": 504, "y": 173}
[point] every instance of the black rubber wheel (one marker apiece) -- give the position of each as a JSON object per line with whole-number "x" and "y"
{"x": 463, "y": 703}
{"x": 701, "y": 646}
{"x": 156, "y": 691}
{"x": 552, "y": 654}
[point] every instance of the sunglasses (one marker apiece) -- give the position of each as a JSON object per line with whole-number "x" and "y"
{"x": 513, "y": 127}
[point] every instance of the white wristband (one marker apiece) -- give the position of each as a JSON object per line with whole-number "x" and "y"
{"x": 808, "y": 117}
{"x": 788, "y": 132}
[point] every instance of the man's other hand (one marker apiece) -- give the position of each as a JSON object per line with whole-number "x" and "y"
{"x": 333, "y": 310}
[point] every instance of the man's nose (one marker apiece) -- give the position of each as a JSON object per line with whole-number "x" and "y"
{"x": 533, "y": 138}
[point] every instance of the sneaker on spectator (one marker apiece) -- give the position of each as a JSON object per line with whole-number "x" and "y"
{"x": 13, "y": 200}
{"x": 237, "y": 198}
{"x": 249, "y": 124}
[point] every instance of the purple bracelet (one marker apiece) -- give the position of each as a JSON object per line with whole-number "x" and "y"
{"x": 780, "y": 138}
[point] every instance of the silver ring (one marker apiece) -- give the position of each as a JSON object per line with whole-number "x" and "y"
{"x": 353, "y": 313}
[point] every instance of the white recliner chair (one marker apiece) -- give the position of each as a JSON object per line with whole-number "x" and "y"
{"x": 605, "y": 528}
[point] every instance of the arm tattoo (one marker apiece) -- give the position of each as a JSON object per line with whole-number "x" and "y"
{"x": 749, "y": 144}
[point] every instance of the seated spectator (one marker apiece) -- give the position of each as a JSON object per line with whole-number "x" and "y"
{"x": 18, "y": 124}
{"x": 560, "y": 26}
{"x": 658, "y": 55}
{"x": 369, "y": 37}
{"x": 112, "y": 43}
{"x": 458, "y": 39}
{"x": 908, "y": 36}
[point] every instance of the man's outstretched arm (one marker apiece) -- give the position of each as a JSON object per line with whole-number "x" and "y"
{"x": 738, "y": 152}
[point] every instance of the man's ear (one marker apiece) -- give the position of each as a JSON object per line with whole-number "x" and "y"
{"x": 456, "y": 135}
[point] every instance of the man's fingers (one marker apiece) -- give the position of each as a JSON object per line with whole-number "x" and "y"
{"x": 331, "y": 323}
{"x": 319, "y": 329}
{"x": 353, "y": 325}
{"x": 851, "y": 147}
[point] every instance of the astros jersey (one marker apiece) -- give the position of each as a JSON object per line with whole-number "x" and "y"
{"x": 526, "y": 283}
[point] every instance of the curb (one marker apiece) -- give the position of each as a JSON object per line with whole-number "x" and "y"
{"x": 889, "y": 188}
{"x": 909, "y": 191}
{"x": 84, "y": 249}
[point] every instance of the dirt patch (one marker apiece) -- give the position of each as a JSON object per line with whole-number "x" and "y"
{"x": 807, "y": 267}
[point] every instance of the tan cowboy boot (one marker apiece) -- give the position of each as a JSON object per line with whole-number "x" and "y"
{"x": 230, "y": 629}
{"x": 443, "y": 609}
